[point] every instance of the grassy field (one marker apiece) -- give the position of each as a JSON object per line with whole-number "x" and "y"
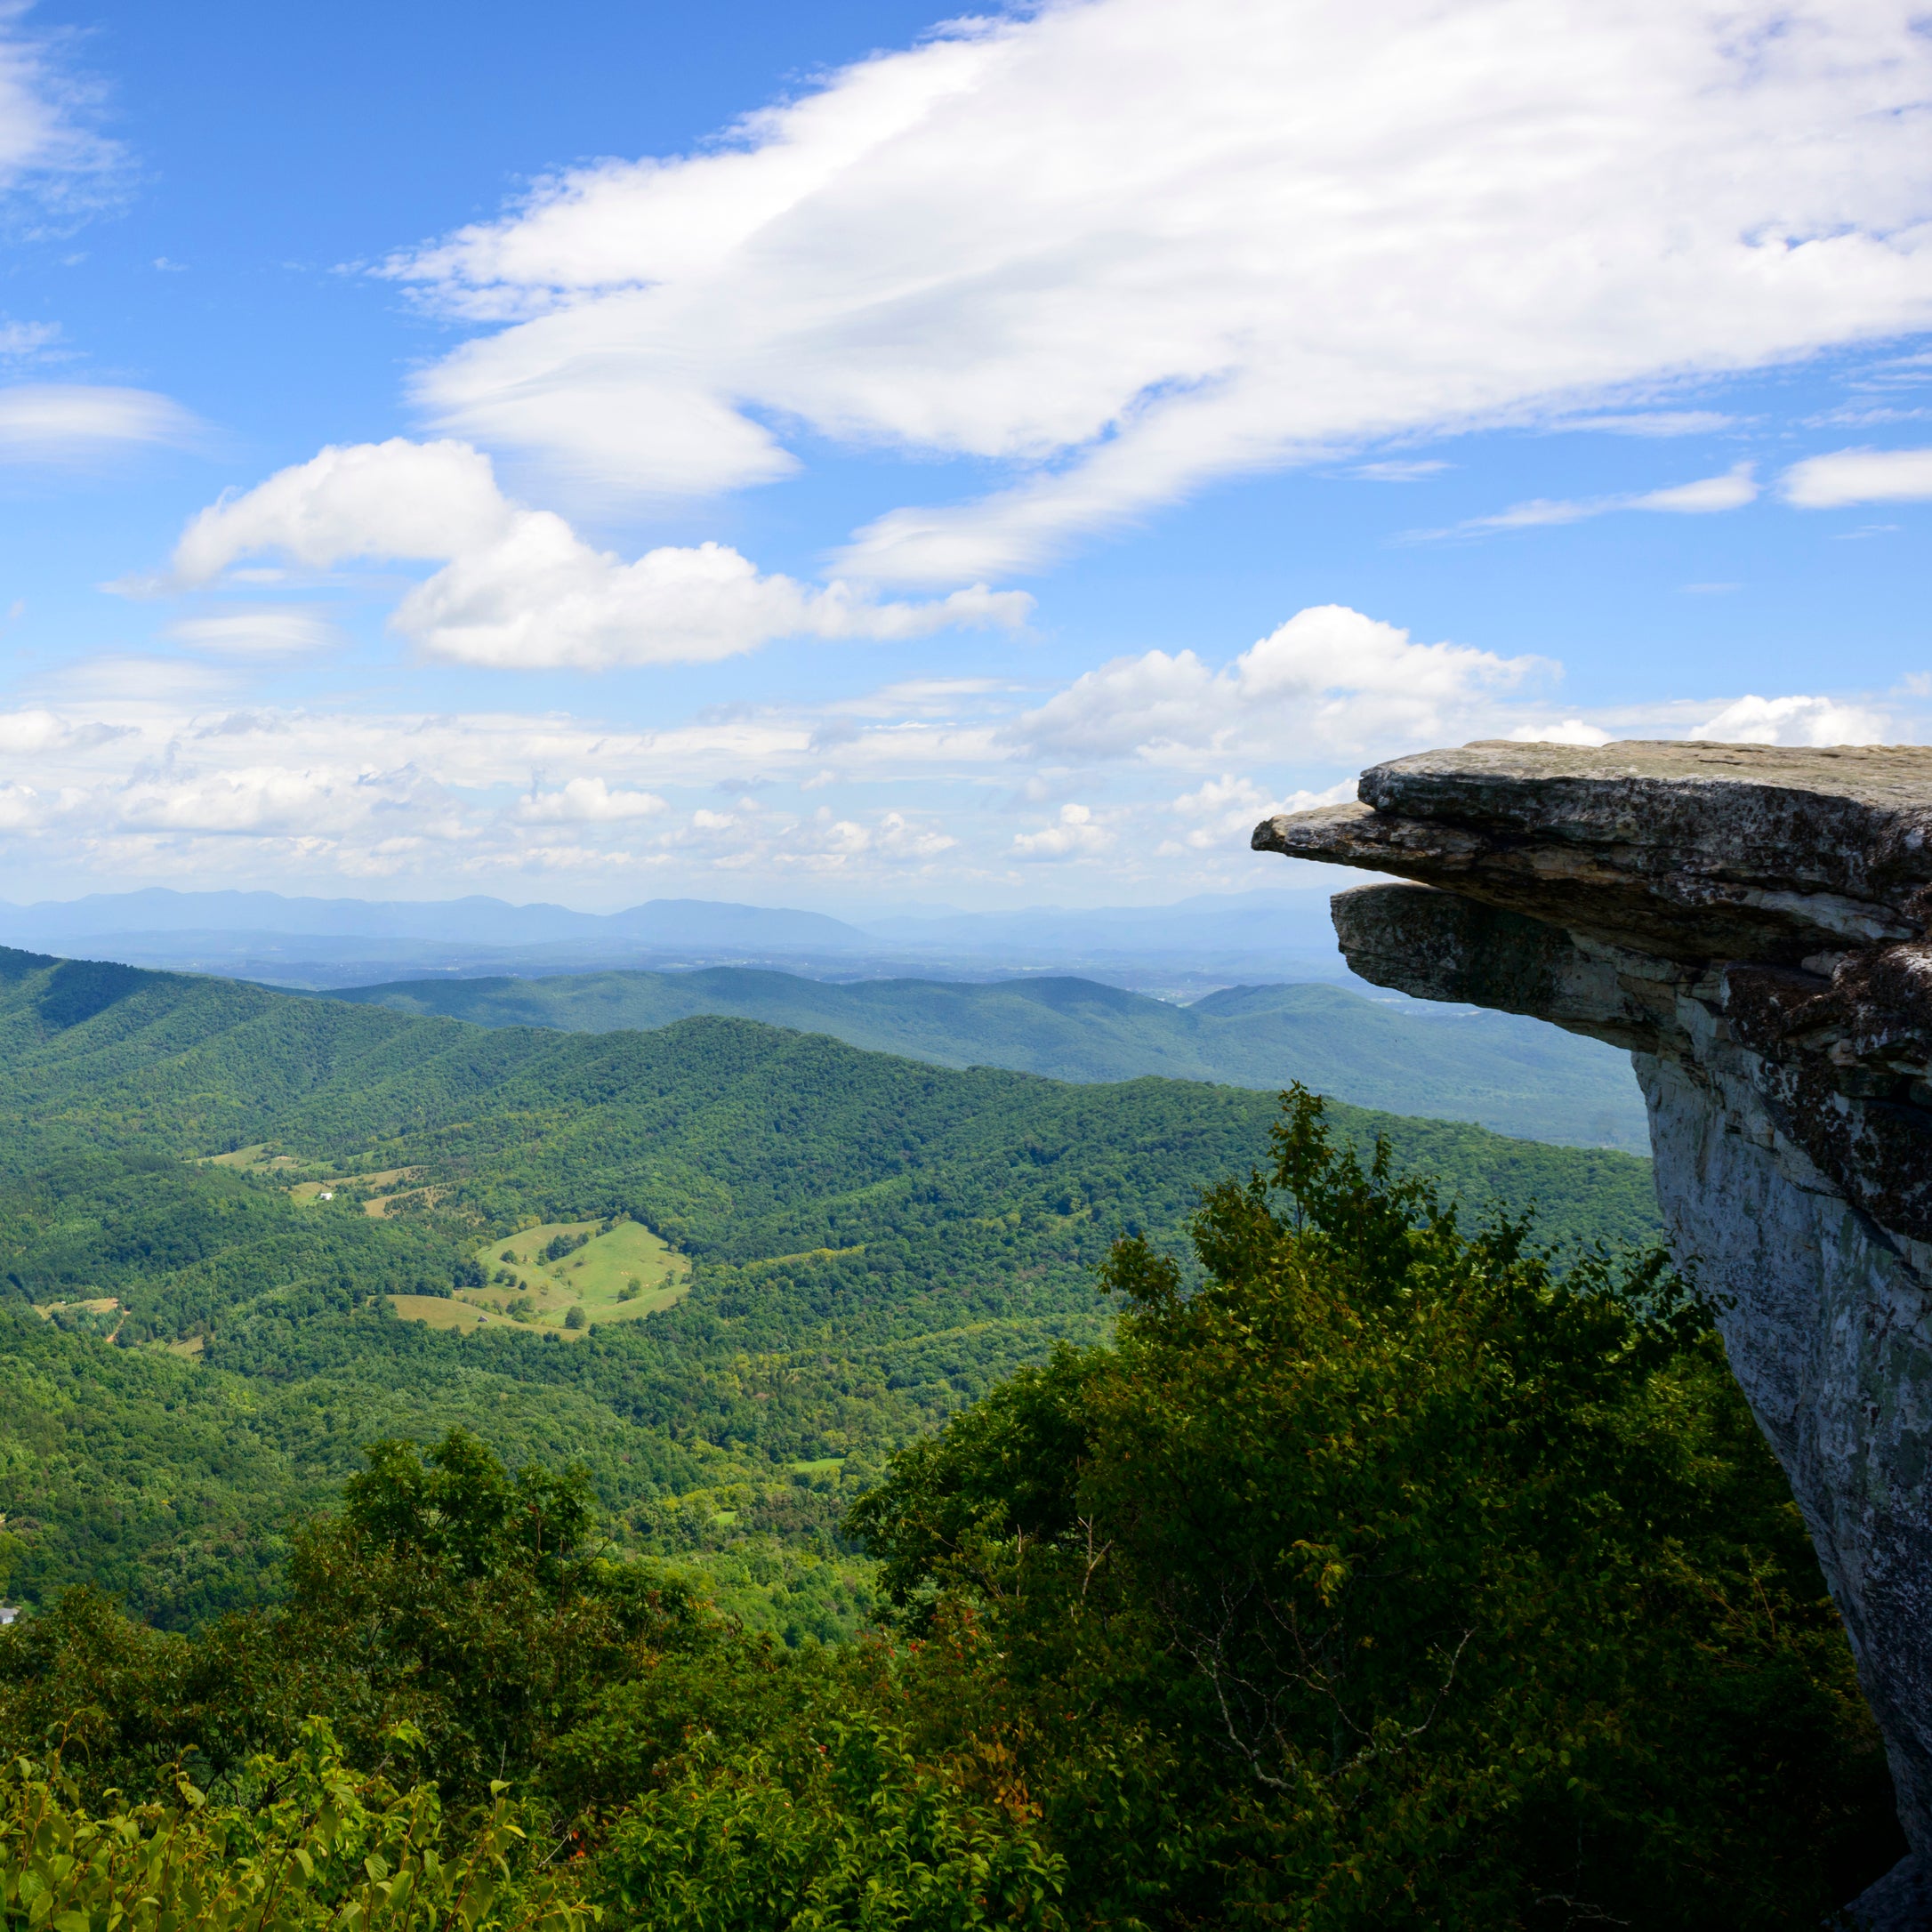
{"x": 622, "y": 1271}
{"x": 380, "y": 1187}
{"x": 259, "y": 1159}
{"x": 438, "y": 1311}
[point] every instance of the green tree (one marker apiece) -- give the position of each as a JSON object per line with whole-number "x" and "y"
{"x": 1387, "y": 1577}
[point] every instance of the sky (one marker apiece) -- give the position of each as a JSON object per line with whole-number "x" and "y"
{"x": 859, "y": 457}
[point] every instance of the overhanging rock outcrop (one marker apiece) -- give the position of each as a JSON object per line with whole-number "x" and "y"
{"x": 1753, "y": 923}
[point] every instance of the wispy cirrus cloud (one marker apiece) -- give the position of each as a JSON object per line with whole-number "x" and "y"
{"x": 1355, "y": 224}
{"x": 267, "y": 632}
{"x": 69, "y": 422}
{"x": 1706, "y": 497}
{"x": 56, "y": 166}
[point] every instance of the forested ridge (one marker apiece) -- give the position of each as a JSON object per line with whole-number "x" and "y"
{"x": 1378, "y": 1569}
{"x": 1510, "y": 1073}
{"x": 872, "y": 1242}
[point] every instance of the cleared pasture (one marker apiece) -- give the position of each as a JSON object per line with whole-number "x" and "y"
{"x": 438, "y": 1311}
{"x": 525, "y": 1289}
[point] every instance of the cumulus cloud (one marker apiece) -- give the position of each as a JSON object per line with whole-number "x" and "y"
{"x": 23, "y": 733}
{"x": 519, "y": 589}
{"x": 1329, "y": 678}
{"x": 589, "y": 801}
{"x": 1859, "y": 476}
{"x": 420, "y": 502}
{"x": 1355, "y": 224}
{"x": 316, "y": 801}
{"x": 1149, "y": 771}
{"x": 52, "y": 422}
{"x": 1567, "y": 731}
{"x": 1076, "y": 830}
{"x": 1796, "y": 721}
{"x": 1226, "y": 809}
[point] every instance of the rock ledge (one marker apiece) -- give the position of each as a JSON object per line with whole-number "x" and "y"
{"x": 1753, "y": 923}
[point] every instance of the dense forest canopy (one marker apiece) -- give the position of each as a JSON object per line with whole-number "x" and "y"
{"x": 1373, "y": 1572}
{"x": 196, "y": 1342}
{"x": 1513, "y": 1074}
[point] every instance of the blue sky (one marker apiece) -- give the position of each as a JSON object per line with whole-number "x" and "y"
{"x": 832, "y": 457}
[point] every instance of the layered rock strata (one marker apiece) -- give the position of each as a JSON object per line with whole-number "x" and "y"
{"x": 1753, "y": 925}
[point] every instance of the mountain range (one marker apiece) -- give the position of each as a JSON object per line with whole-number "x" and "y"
{"x": 318, "y": 944}
{"x": 1513, "y": 1075}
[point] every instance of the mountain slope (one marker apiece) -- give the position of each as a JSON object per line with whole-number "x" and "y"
{"x": 1516, "y": 1076}
{"x": 476, "y": 919}
{"x": 871, "y": 1242}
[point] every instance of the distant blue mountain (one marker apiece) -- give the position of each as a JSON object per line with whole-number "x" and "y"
{"x": 475, "y": 921}
{"x": 317, "y": 943}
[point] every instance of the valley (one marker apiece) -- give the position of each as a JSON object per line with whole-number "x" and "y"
{"x": 299, "y": 1209}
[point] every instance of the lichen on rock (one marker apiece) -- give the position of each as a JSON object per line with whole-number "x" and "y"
{"x": 1754, "y": 924}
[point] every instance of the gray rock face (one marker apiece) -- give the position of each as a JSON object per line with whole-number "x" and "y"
{"x": 1753, "y": 923}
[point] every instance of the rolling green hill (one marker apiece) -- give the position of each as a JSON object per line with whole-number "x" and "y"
{"x": 1514, "y": 1075}
{"x": 191, "y": 1347}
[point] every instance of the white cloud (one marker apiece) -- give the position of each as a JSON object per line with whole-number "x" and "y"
{"x": 24, "y": 732}
{"x": 1393, "y": 471}
{"x": 1147, "y": 774}
{"x": 1859, "y": 476}
{"x": 1076, "y": 830}
{"x": 1708, "y": 494}
{"x": 279, "y": 801}
{"x": 1330, "y": 683}
{"x": 21, "y": 807}
{"x": 543, "y": 597}
{"x": 1650, "y": 423}
{"x": 1228, "y": 808}
{"x": 51, "y": 422}
{"x": 1705, "y": 497}
{"x": 51, "y": 156}
{"x": 589, "y": 800}
{"x": 21, "y": 341}
{"x": 1570, "y": 731}
{"x": 1796, "y": 721}
{"x": 1354, "y": 223}
{"x": 277, "y": 631}
{"x": 423, "y": 501}
{"x": 518, "y": 588}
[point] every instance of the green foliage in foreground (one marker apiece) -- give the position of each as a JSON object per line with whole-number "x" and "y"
{"x": 1380, "y": 1578}
{"x": 1386, "y": 1579}
{"x": 304, "y": 1843}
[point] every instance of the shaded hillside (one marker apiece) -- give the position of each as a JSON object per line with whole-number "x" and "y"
{"x": 1514, "y": 1075}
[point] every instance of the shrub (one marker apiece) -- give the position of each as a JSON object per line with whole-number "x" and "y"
{"x": 311, "y": 1844}
{"x": 1389, "y": 1575}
